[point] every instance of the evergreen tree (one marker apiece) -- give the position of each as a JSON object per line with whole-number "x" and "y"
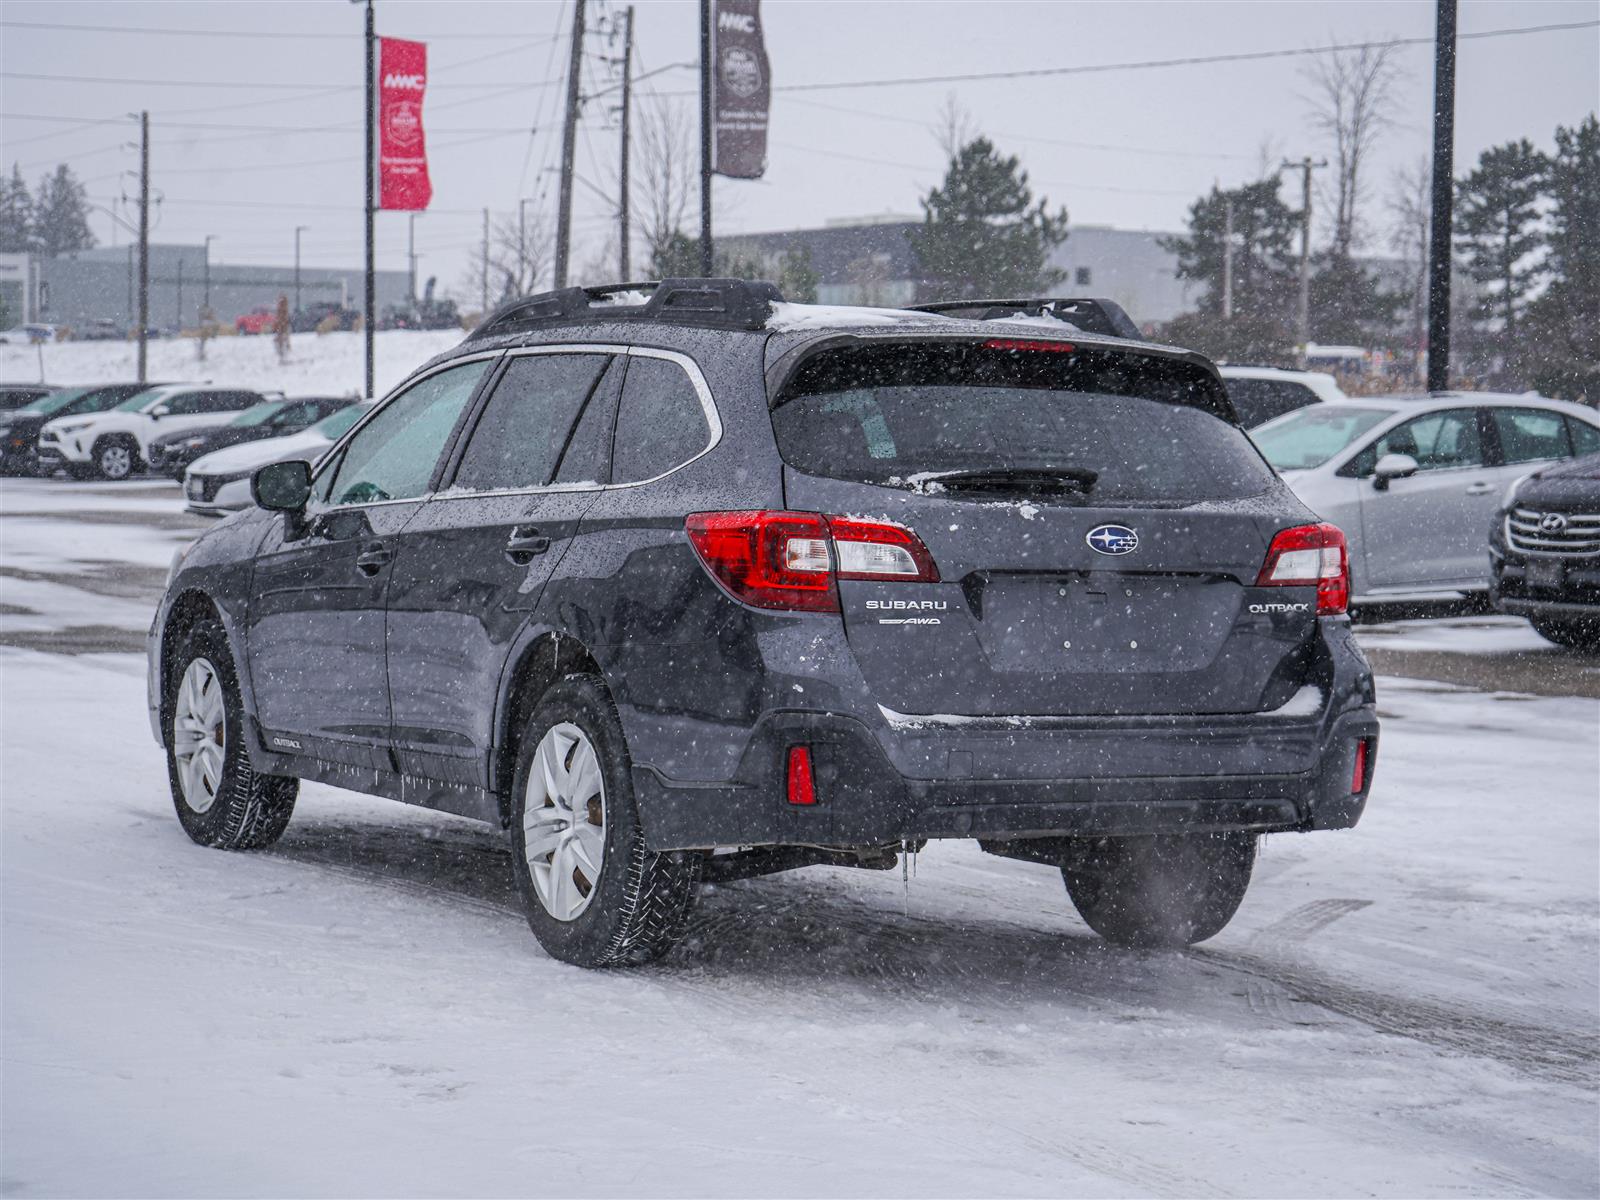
{"x": 1349, "y": 304}
{"x": 16, "y": 214}
{"x": 982, "y": 233}
{"x": 1563, "y": 326}
{"x": 1261, "y": 328}
{"x": 61, "y": 214}
{"x": 797, "y": 278}
{"x": 1497, "y": 231}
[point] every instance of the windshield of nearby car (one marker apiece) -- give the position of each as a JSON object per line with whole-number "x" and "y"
{"x": 257, "y": 414}
{"x": 1311, "y": 436}
{"x": 138, "y": 400}
{"x": 339, "y": 422}
{"x": 54, "y": 403}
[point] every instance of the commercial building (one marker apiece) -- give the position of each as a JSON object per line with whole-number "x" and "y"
{"x": 102, "y": 284}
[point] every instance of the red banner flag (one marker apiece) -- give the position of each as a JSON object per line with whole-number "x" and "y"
{"x": 402, "y": 156}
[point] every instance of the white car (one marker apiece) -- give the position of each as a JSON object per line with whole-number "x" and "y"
{"x": 219, "y": 483}
{"x": 1262, "y": 393}
{"x": 30, "y": 334}
{"x": 1416, "y": 481}
{"x": 114, "y": 444}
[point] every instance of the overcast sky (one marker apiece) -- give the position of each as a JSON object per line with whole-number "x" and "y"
{"x": 1129, "y": 148}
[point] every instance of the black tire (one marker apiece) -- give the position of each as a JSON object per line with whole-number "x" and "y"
{"x": 637, "y": 910}
{"x": 250, "y": 810}
{"x": 1574, "y": 635}
{"x": 1170, "y": 890}
{"x": 115, "y": 458}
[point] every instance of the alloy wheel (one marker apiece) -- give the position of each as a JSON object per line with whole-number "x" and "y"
{"x": 116, "y": 462}
{"x": 199, "y": 734}
{"x": 564, "y": 821}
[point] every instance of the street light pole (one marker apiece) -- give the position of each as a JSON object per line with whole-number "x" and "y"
{"x": 298, "y": 230}
{"x": 411, "y": 253}
{"x": 522, "y": 246}
{"x": 144, "y": 240}
{"x": 1444, "y": 127}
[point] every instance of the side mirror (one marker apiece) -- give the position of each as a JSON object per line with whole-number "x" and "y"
{"x": 282, "y": 486}
{"x": 159, "y": 411}
{"x": 1392, "y": 466}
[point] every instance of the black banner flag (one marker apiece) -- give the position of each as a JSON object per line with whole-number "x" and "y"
{"x": 741, "y": 90}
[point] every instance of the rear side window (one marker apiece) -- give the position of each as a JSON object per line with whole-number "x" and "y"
{"x": 1258, "y": 400}
{"x": 1140, "y": 429}
{"x": 1529, "y": 434}
{"x": 1585, "y": 437}
{"x": 528, "y": 421}
{"x": 660, "y": 421}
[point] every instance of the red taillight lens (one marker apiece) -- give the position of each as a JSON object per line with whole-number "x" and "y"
{"x": 1029, "y": 344}
{"x": 1307, "y": 556}
{"x": 790, "y": 561}
{"x": 802, "y": 783}
{"x": 1358, "y": 777}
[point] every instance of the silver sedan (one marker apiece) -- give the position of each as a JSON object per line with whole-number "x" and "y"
{"x": 1414, "y": 481}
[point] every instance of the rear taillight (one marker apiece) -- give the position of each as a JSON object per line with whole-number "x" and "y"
{"x": 802, "y": 782}
{"x": 1358, "y": 776}
{"x": 792, "y": 561}
{"x": 1310, "y": 556}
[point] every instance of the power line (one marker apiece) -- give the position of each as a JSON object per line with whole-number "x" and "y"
{"x": 253, "y": 35}
{"x": 1154, "y": 63}
{"x": 38, "y": 77}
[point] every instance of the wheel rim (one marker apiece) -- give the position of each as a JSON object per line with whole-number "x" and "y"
{"x": 115, "y": 461}
{"x": 564, "y": 821}
{"x": 199, "y": 735}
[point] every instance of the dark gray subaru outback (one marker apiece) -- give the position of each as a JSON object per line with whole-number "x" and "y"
{"x": 681, "y": 582}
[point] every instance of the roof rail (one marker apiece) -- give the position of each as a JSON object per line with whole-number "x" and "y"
{"x": 710, "y": 303}
{"x": 1100, "y": 316}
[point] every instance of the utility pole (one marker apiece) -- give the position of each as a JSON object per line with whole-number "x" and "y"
{"x": 370, "y": 318}
{"x": 483, "y": 300}
{"x": 178, "y": 308}
{"x": 1305, "y": 166}
{"x": 1444, "y": 126}
{"x": 627, "y": 105}
{"x": 1227, "y": 258}
{"x": 144, "y": 241}
{"x": 522, "y": 246}
{"x": 707, "y": 256}
{"x": 298, "y": 230}
{"x": 569, "y": 135}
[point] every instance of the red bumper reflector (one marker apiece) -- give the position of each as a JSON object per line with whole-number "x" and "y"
{"x": 1358, "y": 778}
{"x": 802, "y": 785}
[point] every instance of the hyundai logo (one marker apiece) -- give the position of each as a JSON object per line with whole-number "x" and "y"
{"x": 1112, "y": 539}
{"x": 1552, "y": 523}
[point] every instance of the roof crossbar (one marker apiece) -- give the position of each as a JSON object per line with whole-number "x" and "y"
{"x": 1104, "y": 317}
{"x": 709, "y": 303}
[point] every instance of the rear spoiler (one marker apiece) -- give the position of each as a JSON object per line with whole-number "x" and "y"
{"x": 1100, "y": 316}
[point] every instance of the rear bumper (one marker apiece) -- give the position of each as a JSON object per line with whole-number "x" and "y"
{"x": 1234, "y": 780}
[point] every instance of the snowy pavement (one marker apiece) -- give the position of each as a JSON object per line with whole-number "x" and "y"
{"x": 1411, "y": 1008}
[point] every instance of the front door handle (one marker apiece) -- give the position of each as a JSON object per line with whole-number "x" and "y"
{"x": 1479, "y": 489}
{"x": 525, "y": 542}
{"x": 373, "y": 559}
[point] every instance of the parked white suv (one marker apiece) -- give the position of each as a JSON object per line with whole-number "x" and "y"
{"x": 1261, "y": 393}
{"x": 114, "y": 444}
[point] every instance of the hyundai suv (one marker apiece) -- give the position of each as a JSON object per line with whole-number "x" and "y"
{"x": 680, "y": 582}
{"x": 1544, "y": 552}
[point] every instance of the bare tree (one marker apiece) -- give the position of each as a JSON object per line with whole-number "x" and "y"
{"x": 953, "y": 126}
{"x": 1411, "y": 206}
{"x": 1352, "y": 102}
{"x": 520, "y": 253}
{"x": 666, "y": 174}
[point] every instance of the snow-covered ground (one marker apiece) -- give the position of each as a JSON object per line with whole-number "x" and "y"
{"x": 1411, "y": 1008}
{"x": 318, "y": 364}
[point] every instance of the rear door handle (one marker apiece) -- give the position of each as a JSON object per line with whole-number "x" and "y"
{"x": 525, "y": 542}
{"x": 374, "y": 558}
{"x": 1478, "y": 489}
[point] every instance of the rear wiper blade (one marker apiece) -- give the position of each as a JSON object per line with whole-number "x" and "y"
{"x": 1037, "y": 481}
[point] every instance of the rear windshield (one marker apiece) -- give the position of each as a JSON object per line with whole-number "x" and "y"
{"x": 1141, "y": 429}
{"x": 1311, "y": 436}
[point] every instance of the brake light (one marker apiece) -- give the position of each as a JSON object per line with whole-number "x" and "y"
{"x": 1310, "y": 555}
{"x": 1028, "y": 344}
{"x": 1358, "y": 777}
{"x": 791, "y": 561}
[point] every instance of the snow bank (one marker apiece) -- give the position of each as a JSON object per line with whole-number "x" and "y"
{"x": 325, "y": 364}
